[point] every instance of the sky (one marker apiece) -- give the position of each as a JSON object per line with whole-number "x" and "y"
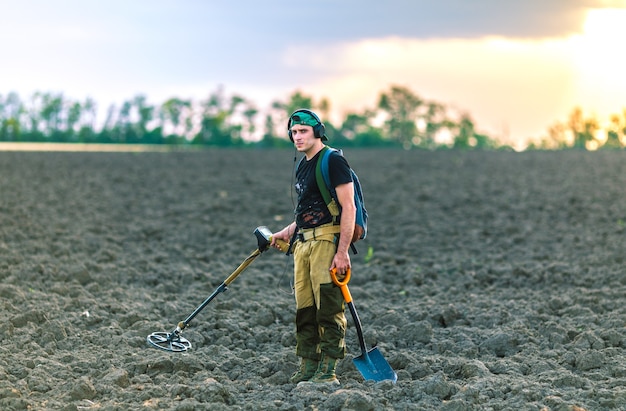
{"x": 516, "y": 67}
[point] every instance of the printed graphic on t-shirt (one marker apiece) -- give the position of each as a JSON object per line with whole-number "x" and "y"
{"x": 311, "y": 210}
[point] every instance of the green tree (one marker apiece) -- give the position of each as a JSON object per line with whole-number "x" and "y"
{"x": 74, "y": 113}
{"x": 11, "y": 110}
{"x": 239, "y": 118}
{"x": 123, "y": 129}
{"x": 35, "y": 121}
{"x": 130, "y": 125}
{"x": 324, "y": 110}
{"x": 268, "y": 139}
{"x": 107, "y": 134}
{"x": 87, "y": 122}
{"x": 616, "y": 134}
{"x": 356, "y": 130}
{"x": 468, "y": 138}
{"x": 249, "y": 114}
{"x": 434, "y": 119}
{"x": 49, "y": 116}
{"x": 583, "y": 129}
{"x": 400, "y": 106}
{"x": 214, "y": 124}
{"x": 463, "y": 139}
{"x": 296, "y": 101}
{"x": 176, "y": 119}
{"x": 144, "y": 115}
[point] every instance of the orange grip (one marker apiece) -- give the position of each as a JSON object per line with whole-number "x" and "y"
{"x": 342, "y": 284}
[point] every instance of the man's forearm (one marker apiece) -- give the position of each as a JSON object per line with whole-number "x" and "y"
{"x": 348, "y": 219}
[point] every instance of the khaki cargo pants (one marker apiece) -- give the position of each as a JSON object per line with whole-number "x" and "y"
{"x": 320, "y": 319}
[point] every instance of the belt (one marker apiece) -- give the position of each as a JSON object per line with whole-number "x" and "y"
{"x": 306, "y": 234}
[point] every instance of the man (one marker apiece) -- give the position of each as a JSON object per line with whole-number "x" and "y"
{"x": 321, "y": 245}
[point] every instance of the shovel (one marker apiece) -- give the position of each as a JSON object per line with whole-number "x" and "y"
{"x": 371, "y": 364}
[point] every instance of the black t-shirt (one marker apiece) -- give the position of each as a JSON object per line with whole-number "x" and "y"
{"x": 311, "y": 210}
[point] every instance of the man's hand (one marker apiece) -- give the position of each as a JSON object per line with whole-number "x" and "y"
{"x": 341, "y": 262}
{"x": 283, "y": 235}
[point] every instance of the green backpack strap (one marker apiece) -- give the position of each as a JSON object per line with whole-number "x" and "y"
{"x": 332, "y": 205}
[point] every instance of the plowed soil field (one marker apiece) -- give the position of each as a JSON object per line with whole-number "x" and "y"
{"x": 488, "y": 280}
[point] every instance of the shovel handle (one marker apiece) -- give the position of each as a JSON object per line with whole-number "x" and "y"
{"x": 348, "y": 297}
{"x": 342, "y": 284}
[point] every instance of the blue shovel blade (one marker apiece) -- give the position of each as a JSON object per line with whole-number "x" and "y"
{"x": 373, "y": 366}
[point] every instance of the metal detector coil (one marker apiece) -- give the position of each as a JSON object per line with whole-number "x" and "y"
{"x": 173, "y": 341}
{"x": 169, "y": 341}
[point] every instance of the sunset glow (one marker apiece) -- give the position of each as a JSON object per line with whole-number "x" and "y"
{"x": 600, "y": 56}
{"x": 514, "y": 88}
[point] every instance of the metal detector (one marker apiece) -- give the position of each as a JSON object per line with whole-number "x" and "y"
{"x": 173, "y": 341}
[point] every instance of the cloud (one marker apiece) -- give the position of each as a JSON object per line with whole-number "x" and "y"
{"x": 512, "y": 88}
{"x": 348, "y": 20}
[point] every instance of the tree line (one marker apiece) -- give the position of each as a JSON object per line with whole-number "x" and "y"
{"x": 585, "y": 132}
{"x": 400, "y": 118}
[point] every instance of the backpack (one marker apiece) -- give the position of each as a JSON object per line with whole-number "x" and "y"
{"x": 329, "y": 194}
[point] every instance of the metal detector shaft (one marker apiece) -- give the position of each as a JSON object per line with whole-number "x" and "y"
{"x": 173, "y": 341}
{"x": 222, "y": 287}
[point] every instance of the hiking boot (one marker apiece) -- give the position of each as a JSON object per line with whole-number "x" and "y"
{"x": 307, "y": 369}
{"x": 325, "y": 373}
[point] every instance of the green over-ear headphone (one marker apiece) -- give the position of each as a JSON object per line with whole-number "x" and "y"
{"x": 319, "y": 130}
